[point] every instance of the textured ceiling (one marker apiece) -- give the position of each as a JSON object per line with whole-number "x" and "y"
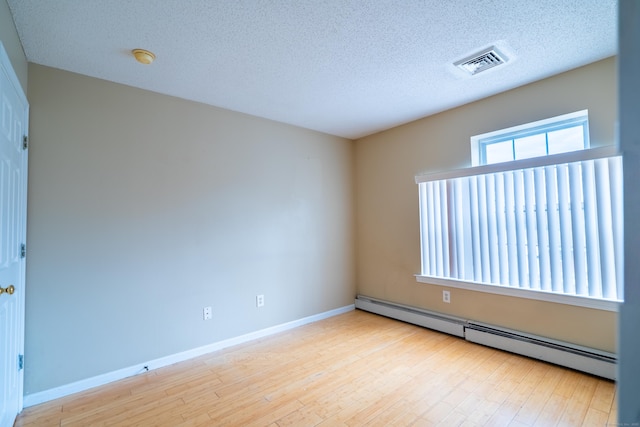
{"x": 343, "y": 67}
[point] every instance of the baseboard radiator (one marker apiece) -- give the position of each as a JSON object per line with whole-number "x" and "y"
{"x": 592, "y": 361}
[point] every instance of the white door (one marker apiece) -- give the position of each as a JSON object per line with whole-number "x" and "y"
{"x": 13, "y": 180}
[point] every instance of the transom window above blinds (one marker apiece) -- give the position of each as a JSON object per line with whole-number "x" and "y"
{"x": 560, "y": 134}
{"x": 546, "y": 228}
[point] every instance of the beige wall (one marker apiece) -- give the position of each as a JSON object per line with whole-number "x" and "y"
{"x": 11, "y": 43}
{"x": 144, "y": 208}
{"x": 387, "y": 243}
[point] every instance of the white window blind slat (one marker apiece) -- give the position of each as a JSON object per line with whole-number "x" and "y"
{"x": 453, "y": 233}
{"x": 591, "y": 224}
{"x": 434, "y": 249}
{"x": 483, "y": 225}
{"x": 444, "y": 230}
{"x": 462, "y": 232}
{"x": 474, "y": 220}
{"x": 521, "y": 229}
{"x": 467, "y": 256}
{"x": 605, "y": 228}
{"x": 542, "y": 223}
{"x": 532, "y": 228}
{"x": 510, "y": 219}
{"x": 425, "y": 219}
{"x": 553, "y": 218}
{"x": 492, "y": 230}
{"x": 437, "y": 231}
{"x": 566, "y": 237}
{"x": 501, "y": 228}
{"x": 578, "y": 229}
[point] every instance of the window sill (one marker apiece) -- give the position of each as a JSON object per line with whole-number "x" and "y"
{"x": 607, "y": 305}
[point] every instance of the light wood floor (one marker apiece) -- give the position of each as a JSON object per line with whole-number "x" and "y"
{"x": 355, "y": 369}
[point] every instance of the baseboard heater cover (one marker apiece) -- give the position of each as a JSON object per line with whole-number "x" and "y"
{"x": 580, "y": 358}
{"x": 415, "y": 316}
{"x": 596, "y": 362}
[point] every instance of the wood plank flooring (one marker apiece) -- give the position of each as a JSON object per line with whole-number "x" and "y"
{"x": 356, "y": 369}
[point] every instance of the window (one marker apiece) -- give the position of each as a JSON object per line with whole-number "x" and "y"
{"x": 547, "y": 228}
{"x": 569, "y": 132}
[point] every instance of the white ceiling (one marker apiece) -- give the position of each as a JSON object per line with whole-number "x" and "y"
{"x": 344, "y": 67}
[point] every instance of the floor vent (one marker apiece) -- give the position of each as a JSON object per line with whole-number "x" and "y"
{"x": 481, "y": 61}
{"x": 592, "y": 361}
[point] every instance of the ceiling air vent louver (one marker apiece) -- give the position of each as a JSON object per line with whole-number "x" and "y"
{"x": 481, "y": 61}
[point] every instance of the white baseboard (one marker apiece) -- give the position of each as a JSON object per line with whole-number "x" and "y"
{"x": 88, "y": 383}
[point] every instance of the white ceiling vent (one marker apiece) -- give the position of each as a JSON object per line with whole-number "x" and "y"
{"x": 481, "y": 61}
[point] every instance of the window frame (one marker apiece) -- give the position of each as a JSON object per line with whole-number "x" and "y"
{"x": 480, "y": 142}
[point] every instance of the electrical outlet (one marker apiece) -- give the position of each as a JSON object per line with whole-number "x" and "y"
{"x": 206, "y": 313}
{"x": 259, "y": 300}
{"x": 446, "y": 296}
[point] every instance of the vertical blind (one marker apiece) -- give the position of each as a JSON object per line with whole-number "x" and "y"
{"x": 551, "y": 227}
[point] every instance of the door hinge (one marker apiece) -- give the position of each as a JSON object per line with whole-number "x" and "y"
{"x": 23, "y": 250}
{"x": 25, "y": 142}
{"x": 20, "y": 362}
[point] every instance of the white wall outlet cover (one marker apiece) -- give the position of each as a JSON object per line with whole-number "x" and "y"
{"x": 446, "y": 296}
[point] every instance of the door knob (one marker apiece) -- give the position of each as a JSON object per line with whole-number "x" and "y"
{"x": 9, "y": 289}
